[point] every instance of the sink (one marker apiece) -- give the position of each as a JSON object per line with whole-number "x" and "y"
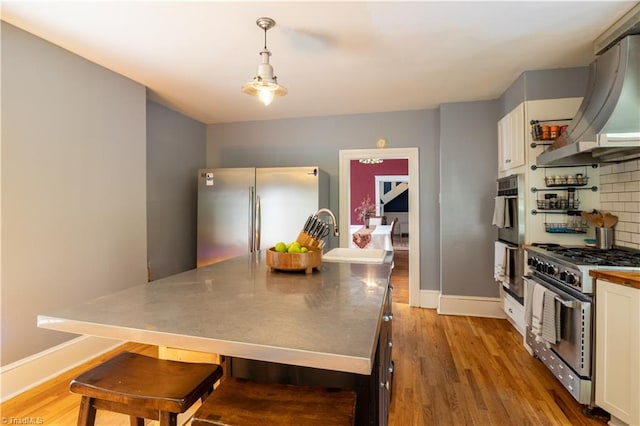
{"x": 354, "y": 255}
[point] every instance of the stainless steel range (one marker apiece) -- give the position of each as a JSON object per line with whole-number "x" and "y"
{"x": 565, "y": 272}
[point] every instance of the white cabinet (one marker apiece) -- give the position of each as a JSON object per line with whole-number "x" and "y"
{"x": 618, "y": 351}
{"x": 514, "y": 312}
{"x": 511, "y": 140}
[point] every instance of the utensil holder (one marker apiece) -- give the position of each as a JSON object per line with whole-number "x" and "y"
{"x": 604, "y": 238}
{"x": 308, "y": 241}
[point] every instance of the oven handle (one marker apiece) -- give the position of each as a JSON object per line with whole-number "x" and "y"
{"x": 571, "y": 304}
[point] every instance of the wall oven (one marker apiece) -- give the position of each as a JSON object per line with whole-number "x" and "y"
{"x": 509, "y": 219}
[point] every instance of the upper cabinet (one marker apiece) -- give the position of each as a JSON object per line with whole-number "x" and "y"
{"x": 511, "y": 141}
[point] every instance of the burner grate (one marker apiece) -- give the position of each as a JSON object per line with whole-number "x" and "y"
{"x": 595, "y": 256}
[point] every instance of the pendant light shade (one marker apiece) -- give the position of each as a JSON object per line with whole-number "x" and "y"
{"x": 265, "y": 85}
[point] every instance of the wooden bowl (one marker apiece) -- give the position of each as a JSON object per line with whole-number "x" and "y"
{"x": 293, "y": 261}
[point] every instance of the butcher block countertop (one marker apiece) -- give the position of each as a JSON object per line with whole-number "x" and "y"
{"x": 626, "y": 278}
{"x": 328, "y": 319}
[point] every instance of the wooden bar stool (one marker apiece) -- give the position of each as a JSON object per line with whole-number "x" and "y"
{"x": 143, "y": 387}
{"x": 240, "y": 402}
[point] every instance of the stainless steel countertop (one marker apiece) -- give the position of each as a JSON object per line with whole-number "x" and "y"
{"x": 328, "y": 319}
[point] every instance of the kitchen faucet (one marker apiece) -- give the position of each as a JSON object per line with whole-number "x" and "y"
{"x": 336, "y": 233}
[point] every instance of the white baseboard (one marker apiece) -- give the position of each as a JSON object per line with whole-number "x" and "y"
{"x": 33, "y": 370}
{"x": 488, "y": 307}
{"x": 429, "y": 299}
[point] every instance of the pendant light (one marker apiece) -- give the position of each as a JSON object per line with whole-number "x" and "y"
{"x": 265, "y": 85}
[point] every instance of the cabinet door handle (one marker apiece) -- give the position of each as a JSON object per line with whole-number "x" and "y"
{"x": 388, "y": 317}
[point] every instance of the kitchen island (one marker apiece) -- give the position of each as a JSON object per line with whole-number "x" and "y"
{"x": 323, "y": 327}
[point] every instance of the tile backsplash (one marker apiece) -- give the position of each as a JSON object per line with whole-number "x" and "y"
{"x": 620, "y": 195}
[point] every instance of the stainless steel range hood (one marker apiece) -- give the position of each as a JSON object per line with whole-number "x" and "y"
{"x": 606, "y": 127}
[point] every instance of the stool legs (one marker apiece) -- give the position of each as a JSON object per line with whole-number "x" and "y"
{"x": 136, "y": 421}
{"x": 87, "y": 414}
{"x": 168, "y": 419}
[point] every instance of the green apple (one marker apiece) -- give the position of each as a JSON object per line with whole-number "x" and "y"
{"x": 294, "y": 248}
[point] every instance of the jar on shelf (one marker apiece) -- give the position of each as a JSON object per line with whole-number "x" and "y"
{"x": 575, "y": 223}
{"x": 536, "y": 130}
{"x": 545, "y": 133}
{"x": 571, "y": 196}
{"x": 560, "y": 180}
{"x": 563, "y": 203}
{"x": 554, "y": 132}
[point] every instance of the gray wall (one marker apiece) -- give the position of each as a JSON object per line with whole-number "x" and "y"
{"x": 544, "y": 84}
{"x": 468, "y": 172}
{"x": 176, "y": 149}
{"x": 73, "y": 186}
{"x": 317, "y": 141}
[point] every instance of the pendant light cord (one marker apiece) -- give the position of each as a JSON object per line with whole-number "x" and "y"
{"x": 265, "y": 38}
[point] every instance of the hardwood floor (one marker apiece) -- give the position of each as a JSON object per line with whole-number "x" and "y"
{"x": 449, "y": 370}
{"x": 400, "y": 276}
{"x": 454, "y": 370}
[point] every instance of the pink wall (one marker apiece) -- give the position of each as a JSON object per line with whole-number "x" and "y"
{"x": 363, "y": 180}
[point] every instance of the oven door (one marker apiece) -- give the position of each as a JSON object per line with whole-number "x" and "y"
{"x": 575, "y": 342}
{"x": 512, "y": 189}
{"x": 512, "y": 234}
{"x": 509, "y": 268}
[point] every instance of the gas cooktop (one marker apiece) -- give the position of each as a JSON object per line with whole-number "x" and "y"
{"x": 570, "y": 265}
{"x": 580, "y": 255}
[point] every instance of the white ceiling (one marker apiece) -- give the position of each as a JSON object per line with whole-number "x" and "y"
{"x": 333, "y": 57}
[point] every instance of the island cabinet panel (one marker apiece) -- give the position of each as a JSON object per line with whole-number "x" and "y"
{"x": 366, "y": 387}
{"x": 385, "y": 365}
{"x": 373, "y": 391}
{"x": 617, "y": 351}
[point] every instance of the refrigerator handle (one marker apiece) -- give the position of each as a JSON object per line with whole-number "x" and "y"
{"x": 258, "y": 222}
{"x": 252, "y": 224}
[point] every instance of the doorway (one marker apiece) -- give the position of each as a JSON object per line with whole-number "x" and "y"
{"x": 411, "y": 154}
{"x": 392, "y": 194}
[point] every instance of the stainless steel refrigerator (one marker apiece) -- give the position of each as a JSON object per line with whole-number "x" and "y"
{"x": 241, "y": 210}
